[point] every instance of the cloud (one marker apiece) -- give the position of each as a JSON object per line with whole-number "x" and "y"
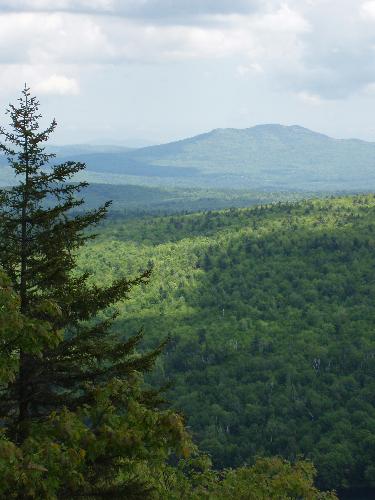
{"x": 369, "y": 89}
{"x": 161, "y": 10}
{"x": 368, "y": 10}
{"x": 172, "y": 9}
{"x": 309, "y": 47}
{"x": 33, "y": 38}
{"x": 56, "y": 5}
{"x": 308, "y": 98}
{"x": 42, "y": 79}
{"x": 244, "y": 70}
{"x": 58, "y": 84}
{"x": 338, "y": 54}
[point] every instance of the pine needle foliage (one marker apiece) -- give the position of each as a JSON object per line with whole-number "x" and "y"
{"x": 75, "y": 390}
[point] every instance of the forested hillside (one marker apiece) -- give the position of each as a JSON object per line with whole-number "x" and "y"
{"x": 271, "y": 316}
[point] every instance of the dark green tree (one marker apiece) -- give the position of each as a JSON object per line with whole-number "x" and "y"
{"x": 76, "y": 370}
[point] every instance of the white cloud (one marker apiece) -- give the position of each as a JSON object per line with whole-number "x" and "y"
{"x": 244, "y": 70}
{"x": 48, "y": 38}
{"x": 254, "y": 37}
{"x": 311, "y": 47}
{"x": 162, "y": 10}
{"x": 58, "y": 84}
{"x": 283, "y": 19}
{"x": 367, "y": 10}
{"x": 56, "y": 5}
{"x": 312, "y": 99}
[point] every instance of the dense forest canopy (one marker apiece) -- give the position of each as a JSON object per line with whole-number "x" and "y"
{"x": 271, "y": 313}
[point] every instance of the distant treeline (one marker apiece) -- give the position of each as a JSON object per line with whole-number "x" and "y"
{"x": 130, "y": 200}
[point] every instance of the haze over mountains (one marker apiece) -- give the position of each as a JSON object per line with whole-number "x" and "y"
{"x": 272, "y": 157}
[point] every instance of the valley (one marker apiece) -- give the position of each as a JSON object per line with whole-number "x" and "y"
{"x": 270, "y": 316}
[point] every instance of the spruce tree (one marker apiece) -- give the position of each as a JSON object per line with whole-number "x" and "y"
{"x": 76, "y": 368}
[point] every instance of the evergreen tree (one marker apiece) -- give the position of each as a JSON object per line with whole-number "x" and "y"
{"x": 75, "y": 370}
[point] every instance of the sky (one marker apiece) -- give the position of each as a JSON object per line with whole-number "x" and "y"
{"x": 137, "y": 72}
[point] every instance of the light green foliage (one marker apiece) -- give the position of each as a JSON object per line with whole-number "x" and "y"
{"x": 272, "y": 479}
{"x": 271, "y": 316}
{"x": 267, "y": 479}
{"x": 60, "y": 457}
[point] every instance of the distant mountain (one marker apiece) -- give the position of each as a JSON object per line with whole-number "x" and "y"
{"x": 272, "y": 157}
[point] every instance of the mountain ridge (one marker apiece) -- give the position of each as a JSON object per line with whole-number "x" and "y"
{"x": 268, "y": 156}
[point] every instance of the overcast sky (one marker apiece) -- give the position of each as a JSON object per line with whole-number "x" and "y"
{"x": 122, "y": 71}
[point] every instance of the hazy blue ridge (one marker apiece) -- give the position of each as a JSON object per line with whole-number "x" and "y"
{"x": 262, "y": 157}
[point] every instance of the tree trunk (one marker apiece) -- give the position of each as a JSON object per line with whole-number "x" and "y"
{"x": 25, "y": 359}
